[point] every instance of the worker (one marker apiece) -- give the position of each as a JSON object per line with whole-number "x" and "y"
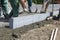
{"x": 4, "y": 5}
{"x": 44, "y": 6}
{"x": 29, "y": 5}
{"x": 15, "y": 6}
{"x": 24, "y": 5}
{"x": 14, "y": 12}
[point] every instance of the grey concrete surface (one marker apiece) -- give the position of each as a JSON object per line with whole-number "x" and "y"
{"x": 3, "y": 22}
{"x": 17, "y": 22}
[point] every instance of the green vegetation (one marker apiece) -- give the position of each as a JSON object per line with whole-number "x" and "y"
{"x": 38, "y": 1}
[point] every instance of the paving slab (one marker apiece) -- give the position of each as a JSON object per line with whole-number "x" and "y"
{"x": 3, "y": 22}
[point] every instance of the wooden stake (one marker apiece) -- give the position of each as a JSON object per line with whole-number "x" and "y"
{"x": 54, "y": 33}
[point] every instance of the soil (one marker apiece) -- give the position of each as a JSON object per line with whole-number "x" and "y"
{"x": 36, "y": 31}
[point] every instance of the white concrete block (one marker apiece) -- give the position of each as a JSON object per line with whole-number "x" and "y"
{"x": 18, "y": 22}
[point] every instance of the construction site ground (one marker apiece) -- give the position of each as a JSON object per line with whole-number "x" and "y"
{"x": 36, "y": 31}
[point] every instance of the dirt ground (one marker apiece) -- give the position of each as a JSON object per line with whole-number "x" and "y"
{"x": 37, "y": 31}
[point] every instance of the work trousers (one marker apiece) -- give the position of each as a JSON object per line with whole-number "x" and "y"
{"x": 14, "y": 4}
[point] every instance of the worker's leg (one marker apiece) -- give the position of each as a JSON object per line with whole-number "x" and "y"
{"x": 29, "y": 5}
{"x": 4, "y": 4}
{"x": 15, "y": 7}
{"x": 0, "y": 3}
{"x": 45, "y": 6}
{"x": 23, "y": 3}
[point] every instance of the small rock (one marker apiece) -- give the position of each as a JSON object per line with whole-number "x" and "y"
{"x": 15, "y": 35}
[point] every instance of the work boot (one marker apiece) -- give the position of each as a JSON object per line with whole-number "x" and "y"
{"x": 11, "y": 14}
{"x": 29, "y": 9}
{"x": 43, "y": 11}
{"x": 6, "y": 16}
